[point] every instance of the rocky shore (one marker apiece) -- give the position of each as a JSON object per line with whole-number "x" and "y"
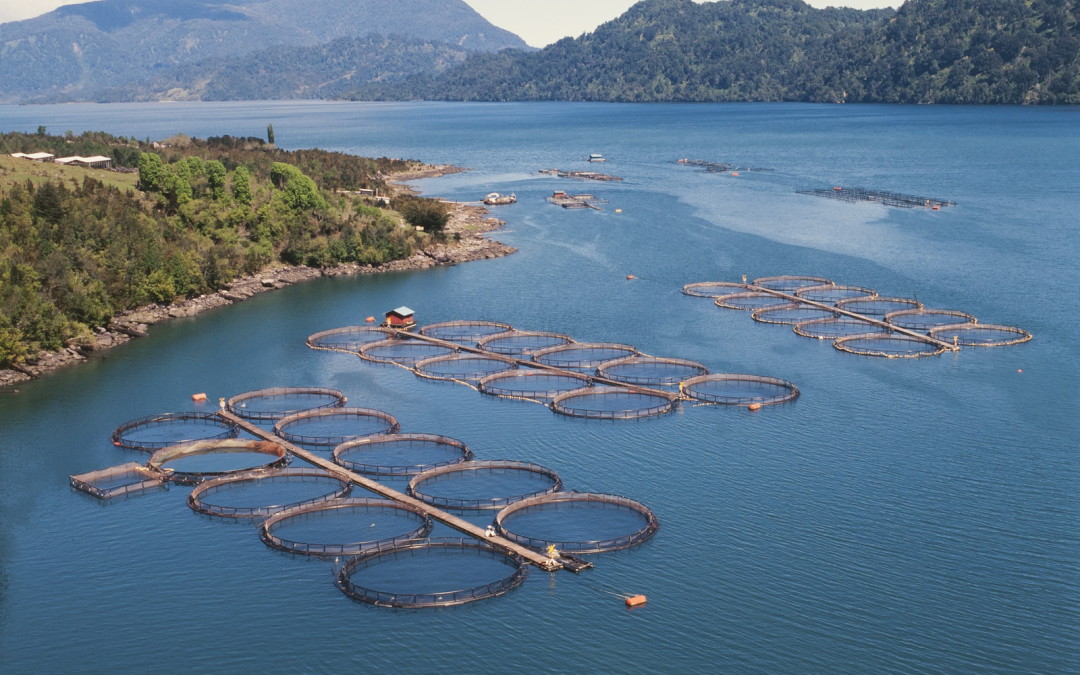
{"x": 466, "y": 241}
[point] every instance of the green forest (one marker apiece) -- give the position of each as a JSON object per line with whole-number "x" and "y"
{"x": 177, "y": 219}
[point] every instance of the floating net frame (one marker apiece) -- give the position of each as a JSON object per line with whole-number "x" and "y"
{"x": 945, "y": 317}
{"x": 380, "y": 554}
{"x": 491, "y": 466}
{"x": 508, "y": 384}
{"x": 423, "y": 368}
{"x": 879, "y": 306}
{"x": 887, "y": 345}
{"x": 790, "y": 314}
{"x": 790, "y": 283}
{"x": 534, "y": 341}
{"x": 348, "y": 338}
{"x": 576, "y": 403}
{"x": 834, "y": 293}
{"x": 992, "y": 335}
{"x": 576, "y": 355}
{"x": 348, "y": 548}
{"x": 689, "y": 369}
{"x": 748, "y": 301}
{"x": 175, "y": 452}
{"x": 139, "y": 478}
{"x": 783, "y": 391}
{"x": 712, "y": 289}
{"x": 227, "y": 428}
{"x": 465, "y": 331}
{"x": 338, "y": 457}
{"x": 835, "y": 327}
{"x": 423, "y": 350}
{"x": 390, "y": 425}
{"x": 237, "y": 404}
{"x": 197, "y": 499}
{"x": 652, "y": 524}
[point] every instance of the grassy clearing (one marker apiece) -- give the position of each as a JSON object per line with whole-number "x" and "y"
{"x": 16, "y": 170}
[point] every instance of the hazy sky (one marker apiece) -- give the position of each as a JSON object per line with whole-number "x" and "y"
{"x": 538, "y": 22}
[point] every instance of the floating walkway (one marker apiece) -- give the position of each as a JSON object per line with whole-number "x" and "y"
{"x": 718, "y": 167}
{"x": 858, "y": 194}
{"x": 581, "y": 175}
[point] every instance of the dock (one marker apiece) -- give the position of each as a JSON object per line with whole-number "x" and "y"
{"x": 581, "y": 175}
{"x": 576, "y": 201}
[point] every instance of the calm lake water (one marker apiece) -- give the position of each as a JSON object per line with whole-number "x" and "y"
{"x": 915, "y": 515}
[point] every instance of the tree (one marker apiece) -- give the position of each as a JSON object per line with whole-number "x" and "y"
{"x": 427, "y": 214}
{"x": 241, "y": 186}
{"x": 270, "y": 134}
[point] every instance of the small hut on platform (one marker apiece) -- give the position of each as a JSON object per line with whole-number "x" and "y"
{"x": 401, "y": 318}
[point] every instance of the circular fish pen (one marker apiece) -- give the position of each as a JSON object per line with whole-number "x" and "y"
{"x": 349, "y": 338}
{"x": 464, "y": 367}
{"x": 531, "y": 385}
{"x": 583, "y": 356}
{"x": 332, "y": 427}
{"x": 980, "y": 335}
{"x": 878, "y": 307}
{"x": 193, "y": 463}
{"x": 834, "y": 293}
{"x": 834, "y": 327}
{"x": 258, "y": 494}
{"x": 789, "y": 283}
{"x": 711, "y": 289}
{"x": 279, "y": 402}
{"x": 613, "y": 403}
{"x": 522, "y": 343}
{"x": 738, "y": 389}
{"x": 154, "y": 432}
{"x": 577, "y": 522}
{"x": 888, "y": 345}
{"x": 400, "y": 454}
{"x": 790, "y": 314}
{"x": 925, "y": 319}
{"x": 344, "y": 527}
{"x": 460, "y": 485}
{"x": 651, "y": 370}
{"x": 430, "y": 573}
{"x": 749, "y": 301}
{"x": 469, "y": 332}
{"x": 402, "y": 352}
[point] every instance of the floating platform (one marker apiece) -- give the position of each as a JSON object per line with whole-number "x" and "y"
{"x": 581, "y": 175}
{"x": 576, "y": 201}
{"x": 718, "y": 167}
{"x": 858, "y": 194}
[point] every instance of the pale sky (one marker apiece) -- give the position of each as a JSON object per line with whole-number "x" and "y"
{"x": 538, "y": 22}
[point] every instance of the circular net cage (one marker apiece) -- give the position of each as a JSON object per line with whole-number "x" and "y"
{"x": 463, "y": 367}
{"x": 887, "y": 345}
{"x": 651, "y": 370}
{"x": 522, "y": 343}
{"x": 332, "y": 427}
{"x": 279, "y": 402}
{"x": 925, "y": 319}
{"x": 739, "y": 389}
{"x": 430, "y": 573}
{"x": 790, "y": 314}
{"x": 344, "y": 527}
{"x": 262, "y": 493}
{"x": 585, "y": 357}
{"x": 749, "y": 301}
{"x": 831, "y": 328}
{"x": 613, "y": 403}
{"x": 980, "y": 335}
{"x": 160, "y": 431}
{"x": 577, "y": 522}
{"x": 532, "y": 385}
{"x": 711, "y": 289}
{"x": 400, "y": 454}
{"x": 469, "y": 332}
{"x": 483, "y": 485}
{"x": 349, "y": 338}
{"x": 193, "y": 463}
{"x": 402, "y": 352}
{"x": 833, "y": 293}
{"x": 790, "y": 284}
{"x": 879, "y": 306}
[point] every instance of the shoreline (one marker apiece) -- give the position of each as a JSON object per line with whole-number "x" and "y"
{"x": 468, "y": 228}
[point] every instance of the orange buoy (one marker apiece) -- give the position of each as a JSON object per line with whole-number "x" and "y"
{"x": 838, "y": 189}
{"x": 370, "y": 319}
{"x": 618, "y": 210}
{"x": 636, "y": 600}
{"x": 754, "y": 406}
{"x": 630, "y": 276}
{"x": 734, "y": 173}
{"x": 198, "y": 397}
{"x": 935, "y": 208}
{"x": 1019, "y": 370}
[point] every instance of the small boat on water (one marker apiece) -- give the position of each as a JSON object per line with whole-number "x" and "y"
{"x": 496, "y": 199}
{"x": 596, "y": 157}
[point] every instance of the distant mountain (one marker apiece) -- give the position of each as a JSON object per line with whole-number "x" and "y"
{"x": 82, "y": 48}
{"x": 929, "y": 51}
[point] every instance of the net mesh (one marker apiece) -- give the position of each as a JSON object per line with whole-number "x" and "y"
{"x": 279, "y": 402}
{"x": 879, "y": 306}
{"x": 561, "y": 509}
{"x": 334, "y": 426}
{"x": 980, "y": 335}
{"x": 400, "y": 454}
{"x": 711, "y": 289}
{"x": 523, "y": 343}
{"x": 203, "y": 460}
{"x": 833, "y": 327}
{"x": 583, "y": 356}
{"x": 790, "y": 314}
{"x": 739, "y": 389}
{"x": 887, "y": 345}
{"x": 532, "y": 385}
{"x": 402, "y": 352}
{"x": 463, "y": 367}
{"x": 348, "y": 338}
{"x": 925, "y": 319}
{"x": 487, "y": 475}
{"x": 465, "y": 331}
{"x": 790, "y": 283}
{"x": 117, "y": 481}
{"x": 749, "y": 301}
{"x": 613, "y": 403}
{"x": 650, "y": 370}
{"x": 833, "y": 293}
{"x": 159, "y": 431}
{"x": 357, "y": 515}
{"x": 258, "y": 494}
